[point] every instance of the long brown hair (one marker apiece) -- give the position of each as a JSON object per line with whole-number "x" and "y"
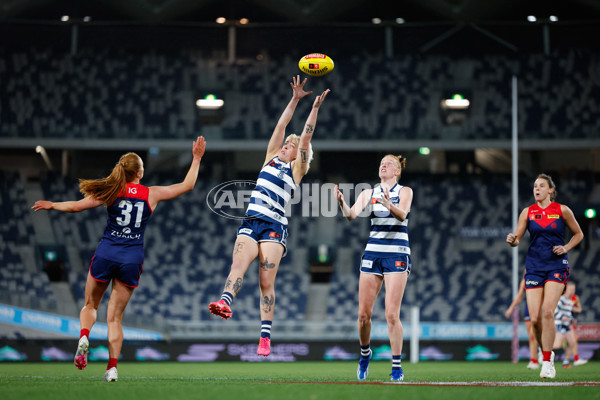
{"x": 107, "y": 189}
{"x": 550, "y": 185}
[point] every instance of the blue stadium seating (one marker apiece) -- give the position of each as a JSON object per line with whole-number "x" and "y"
{"x": 112, "y": 93}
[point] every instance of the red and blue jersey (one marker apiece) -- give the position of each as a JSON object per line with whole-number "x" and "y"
{"x": 123, "y": 239}
{"x": 546, "y": 228}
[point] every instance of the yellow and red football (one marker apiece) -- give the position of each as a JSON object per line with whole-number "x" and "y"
{"x": 316, "y": 64}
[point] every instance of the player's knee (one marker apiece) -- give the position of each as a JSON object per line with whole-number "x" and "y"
{"x": 238, "y": 268}
{"x": 392, "y": 319}
{"x": 364, "y": 317}
{"x": 547, "y": 313}
{"x": 90, "y": 306}
{"x": 114, "y": 318}
{"x": 266, "y": 284}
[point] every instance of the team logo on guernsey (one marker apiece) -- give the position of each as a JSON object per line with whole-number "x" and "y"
{"x": 230, "y": 199}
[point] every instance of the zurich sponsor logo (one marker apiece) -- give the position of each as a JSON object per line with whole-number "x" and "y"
{"x": 532, "y": 283}
{"x": 246, "y": 231}
{"x": 126, "y": 230}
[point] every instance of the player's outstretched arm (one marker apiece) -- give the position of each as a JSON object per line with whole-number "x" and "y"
{"x": 160, "y": 193}
{"x": 278, "y": 134}
{"x": 67, "y": 206}
{"x": 301, "y": 164}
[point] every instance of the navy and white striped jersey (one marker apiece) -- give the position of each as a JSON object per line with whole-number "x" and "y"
{"x": 389, "y": 236}
{"x": 273, "y": 190}
{"x": 563, "y": 315}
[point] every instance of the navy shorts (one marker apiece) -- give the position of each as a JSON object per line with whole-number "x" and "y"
{"x": 264, "y": 231}
{"x": 537, "y": 279}
{"x": 562, "y": 328}
{"x": 104, "y": 270}
{"x": 380, "y": 266}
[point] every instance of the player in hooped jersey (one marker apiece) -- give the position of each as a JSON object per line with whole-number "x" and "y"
{"x": 119, "y": 256}
{"x": 564, "y": 320}
{"x": 547, "y": 263}
{"x": 263, "y": 232}
{"x": 386, "y": 258}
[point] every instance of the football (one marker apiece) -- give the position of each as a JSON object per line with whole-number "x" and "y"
{"x": 316, "y": 64}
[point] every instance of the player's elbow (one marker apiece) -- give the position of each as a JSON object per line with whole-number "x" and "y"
{"x": 187, "y": 186}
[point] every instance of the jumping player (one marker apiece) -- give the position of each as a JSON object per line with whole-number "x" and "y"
{"x": 119, "y": 256}
{"x": 547, "y": 263}
{"x": 386, "y": 258}
{"x": 263, "y": 232}
{"x": 533, "y": 345}
{"x": 565, "y": 328}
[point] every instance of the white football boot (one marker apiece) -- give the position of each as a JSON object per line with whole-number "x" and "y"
{"x": 111, "y": 375}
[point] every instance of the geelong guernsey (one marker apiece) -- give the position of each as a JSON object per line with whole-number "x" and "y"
{"x": 389, "y": 236}
{"x": 273, "y": 190}
{"x": 123, "y": 239}
{"x": 563, "y": 315}
{"x": 546, "y": 229}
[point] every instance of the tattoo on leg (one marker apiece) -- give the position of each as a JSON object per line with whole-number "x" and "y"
{"x": 238, "y": 248}
{"x": 237, "y": 285}
{"x": 266, "y": 265}
{"x": 267, "y": 303}
{"x": 227, "y": 284}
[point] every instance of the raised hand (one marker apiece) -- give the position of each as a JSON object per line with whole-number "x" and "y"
{"x": 319, "y": 100}
{"x": 298, "y": 87}
{"x": 338, "y": 195}
{"x": 199, "y": 147}
{"x": 385, "y": 198}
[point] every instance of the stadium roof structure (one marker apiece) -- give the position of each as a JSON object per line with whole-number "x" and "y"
{"x": 302, "y": 11}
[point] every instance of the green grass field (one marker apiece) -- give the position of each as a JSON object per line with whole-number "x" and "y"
{"x": 282, "y": 381}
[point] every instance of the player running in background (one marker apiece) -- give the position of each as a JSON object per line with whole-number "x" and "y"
{"x": 119, "y": 256}
{"x": 263, "y": 232}
{"x": 533, "y": 344}
{"x": 386, "y": 258}
{"x": 565, "y": 327}
{"x": 547, "y": 263}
